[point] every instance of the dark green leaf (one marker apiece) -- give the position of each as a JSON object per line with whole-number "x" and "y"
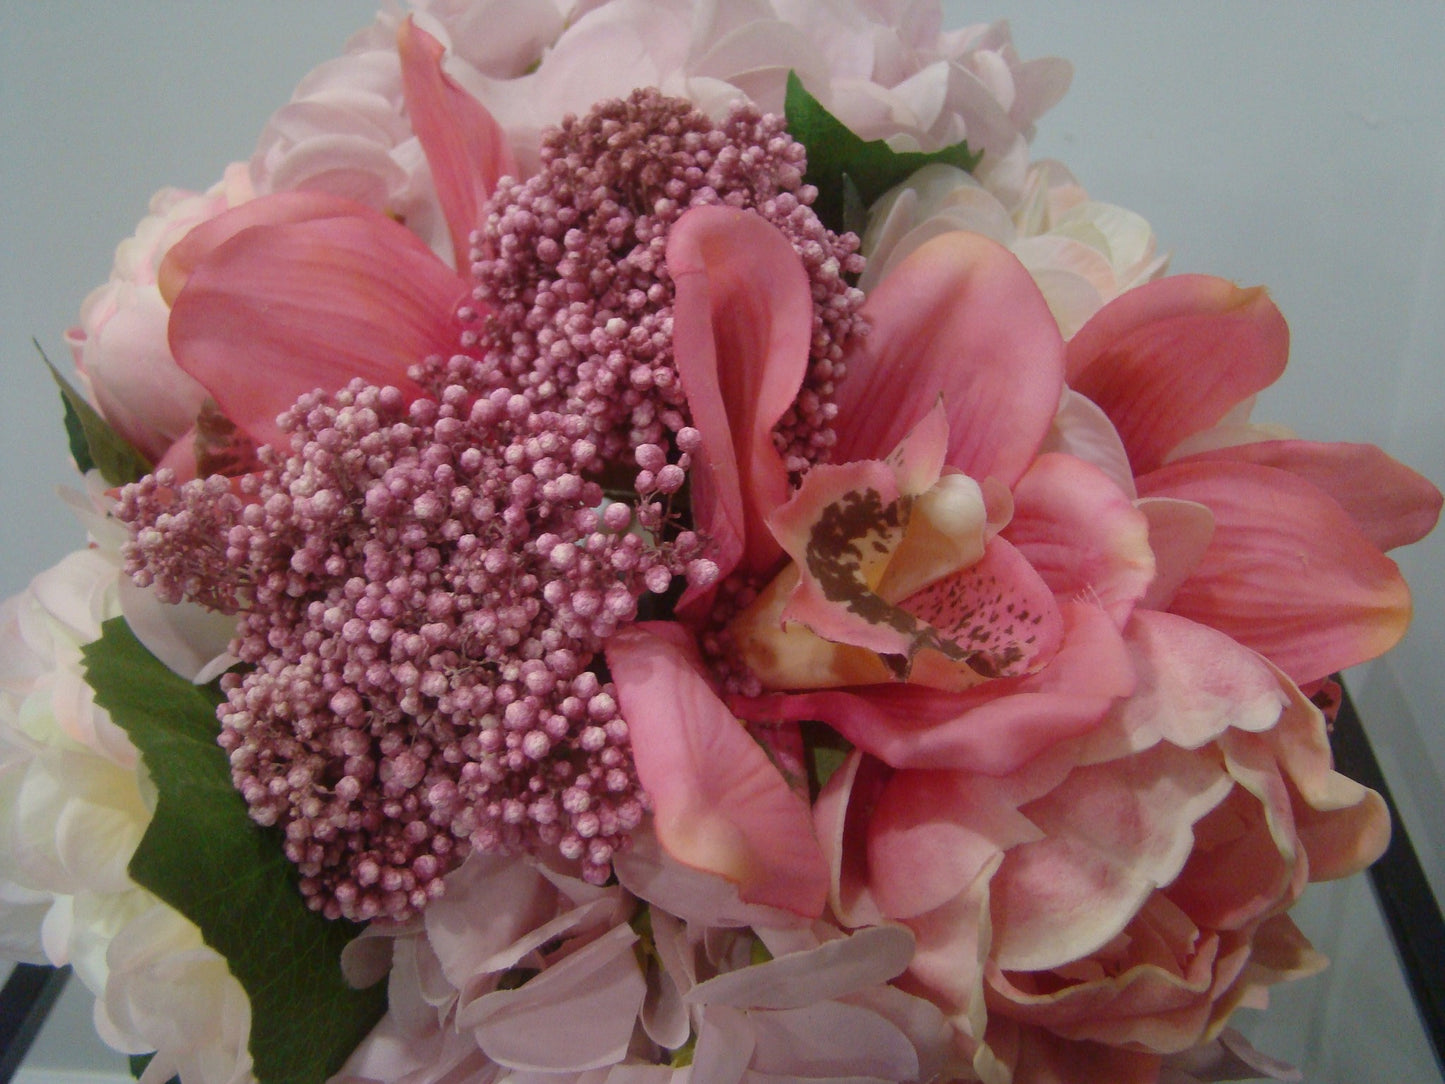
{"x": 204, "y": 856}
{"x": 93, "y": 443}
{"x": 838, "y": 157}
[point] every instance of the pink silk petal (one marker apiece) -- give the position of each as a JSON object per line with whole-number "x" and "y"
{"x": 992, "y": 728}
{"x": 742, "y": 329}
{"x": 1046, "y": 1058}
{"x": 1342, "y": 825}
{"x": 272, "y": 210}
{"x": 1247, "y": 862}
{"x": 960, "y": 318}
{"x": 1388, "y": 501}
{"x": 1172, "y": 357}
{"x": 1194, "y": 683}
{"x": 719, "y": 805}
{"x": 1287, "y": 573}
{"x": 465, "y": 147}
{"x": 278, "y": 311}
{"x": 1112, "y": 833}
{"x": 933, "y": 833}
{"x": 841, "y": 816}
{"x": 1082, "y": 534}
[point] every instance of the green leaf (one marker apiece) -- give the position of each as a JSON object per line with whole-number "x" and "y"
{"x": 205, "y": 857}
{"x": 93, "y": 443}
{"x": 838, "y": 157}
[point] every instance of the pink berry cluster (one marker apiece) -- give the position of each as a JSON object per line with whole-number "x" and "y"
{"x": 572, "y": 263}
{"x": 425, "y": 587}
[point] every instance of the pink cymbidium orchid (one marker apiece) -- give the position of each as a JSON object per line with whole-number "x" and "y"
{"x": 941, "y": 547}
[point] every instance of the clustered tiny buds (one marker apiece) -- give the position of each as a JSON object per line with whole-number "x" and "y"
{"x": 424, "y": 587}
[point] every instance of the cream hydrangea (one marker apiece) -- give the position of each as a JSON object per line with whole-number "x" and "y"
{"x": 74, "y": 803}
{"x": 1081, "y": 252}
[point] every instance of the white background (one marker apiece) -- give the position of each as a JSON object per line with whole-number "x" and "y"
{"x": 1297, "y": 145}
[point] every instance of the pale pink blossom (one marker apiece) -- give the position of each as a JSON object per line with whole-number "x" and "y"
{"x": 121, "y": 352}
{"x": 1081, "y": 253}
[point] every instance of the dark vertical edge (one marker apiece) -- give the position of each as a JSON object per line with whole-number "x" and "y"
{"x": 1404, "y": 895}
{"x": 24, "y": 1003}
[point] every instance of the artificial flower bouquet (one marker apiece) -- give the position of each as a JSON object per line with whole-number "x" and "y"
{"x": 641, "y": 542}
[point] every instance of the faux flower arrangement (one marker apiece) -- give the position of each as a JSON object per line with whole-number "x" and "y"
{"x": 705, "y": 566}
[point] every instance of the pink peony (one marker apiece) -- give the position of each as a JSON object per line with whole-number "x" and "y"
{"x": 1075, "y": 916}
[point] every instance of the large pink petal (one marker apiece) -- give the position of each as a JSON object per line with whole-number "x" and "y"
{"x": 719, "y": 804}
{"x": 742, "y": 329}
{"x": 994, "y": 727}
{"x": 281, "y": 310}
{"x": 1112, "y": 833}
{"x": 464, "y": 146}
{"x": 273, "y": 210}
{"x": 1388, "y": 501}
{"x": 1287, "y": 573}
{"x": 1172, "y": 357}
{"x": 1082, "y": 534}
{"x": 960, "y": 318}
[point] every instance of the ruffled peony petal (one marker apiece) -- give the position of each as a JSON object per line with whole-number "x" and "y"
{"x": 1172, "y": 357}
{"x": 280, "y": 310}
{"x": 1342, "y": 825}
{"x": 964, "y": 320}
{"x": 1082, "y": 534}
{"x": 992, "y": 728}
{"x": 719, "y": 805}
{"x": 1287, "y": 573}
{"x": 1390, "y": 503}
{"x": 742, "y": 329}
{"x": 465, "y": 147}
{"x": 1113, "y": 833}
{"x": 933, "y": 832}
{"x": 1194, "y": 683}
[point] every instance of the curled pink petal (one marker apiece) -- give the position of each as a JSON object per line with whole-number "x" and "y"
{"x": 465, "y": 147}
{"x": 719, "y": 805}
{"x": 742, "y": 329}
{"x": 1082, "y": 534}
{"x": 1179, "y": 535}
{"x": 1172, "y": 357}
{"x": 273, "y": 210}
